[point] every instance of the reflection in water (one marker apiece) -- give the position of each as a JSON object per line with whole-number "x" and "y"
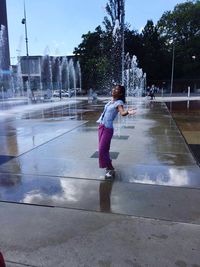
{"x": 56, "y": 192}
{"x": 60, "y": 192}
{"x": 105, "y": 189}
{"x": 186, "y": 114}
{"x": 174, "y": 178}
{"x": 183, "y": 106}
{"x": 188, "y": 104}
{"x": 178, "y": 177}
{"x": 7, "y": 180}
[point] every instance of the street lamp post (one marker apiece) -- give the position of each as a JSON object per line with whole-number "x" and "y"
{"x": 194, "y": 59}
{"x": 24, "y": 21}
{"x": 172, "y": 74}
{"x": 122, "y": 36}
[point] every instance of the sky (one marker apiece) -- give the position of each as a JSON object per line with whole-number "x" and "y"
{"x": 56, "y": 26}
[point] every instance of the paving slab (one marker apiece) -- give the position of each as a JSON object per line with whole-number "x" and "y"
{"x": 153, "y": 201}
{"x": 27, "y": 136}
{"x": 57, "y": 209}
{"x": 50, "y": 237}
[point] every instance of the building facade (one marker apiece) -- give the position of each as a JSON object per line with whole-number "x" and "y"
{"x": 4, "y": 41}
{"x": 46, "y": 73}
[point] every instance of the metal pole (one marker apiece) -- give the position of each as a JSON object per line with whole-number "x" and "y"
{"x": 172, "y": 74}
{"x": 122, "y": 33}
{"x": 188, "y": 91}
{"x": 24, "y": 21}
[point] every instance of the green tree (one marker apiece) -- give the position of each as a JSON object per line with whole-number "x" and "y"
{"x": 99, "y": 54}
{"x": 154, "y": 60}
{"x": 92, "y": 53}
{"x": 133, "y": 43}
{"x": 114, "y": 25}
{"x": 181, "y": 28}
{"x": 114, "y": 9}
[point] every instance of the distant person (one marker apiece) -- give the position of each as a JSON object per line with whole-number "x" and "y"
{"x": 94, "y": 97}
{"x": 49, "y": 93}
{"x": 90, "y": 95}
{"x": 152, "y": 92}
{"x": 106, "y": 130}
{"x": 147, "y": 90}
{"x": 157, "y": 90}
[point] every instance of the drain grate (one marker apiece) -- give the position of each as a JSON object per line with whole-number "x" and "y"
{"x": 121, "y": 137}
{"x": 113, "y": 155}
{"x": 196, "y": 151}
{"x": 129, "y": 127}
{"x": 4, "y": 159}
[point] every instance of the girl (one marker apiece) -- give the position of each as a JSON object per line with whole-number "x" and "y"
{"x": 105, "y": 132}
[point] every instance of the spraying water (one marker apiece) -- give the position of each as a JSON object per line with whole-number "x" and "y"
{"x": 134, "y": 78}
{"x": 4, "y": 70}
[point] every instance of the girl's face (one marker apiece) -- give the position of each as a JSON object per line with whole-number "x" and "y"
{"x": 116, "y": 92}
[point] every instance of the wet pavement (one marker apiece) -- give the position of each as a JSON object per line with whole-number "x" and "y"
{"x": 187, "y": 114}
{"x": 48, "y": 159}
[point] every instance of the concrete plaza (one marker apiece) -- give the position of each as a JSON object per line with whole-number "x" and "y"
{"x": 57, "y": 209}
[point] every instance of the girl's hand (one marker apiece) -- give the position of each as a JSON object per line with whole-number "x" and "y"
{"x": 124, "y": 112}
{"x": 131, "y": 111}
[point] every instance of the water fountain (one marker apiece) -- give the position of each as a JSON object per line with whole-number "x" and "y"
{"x": 134, "y": 78}
{"x": 125, "y": 69}
{"x": 4, "y": 70}
{"x": 118, "y": 42}
{"x": 78, "y": 76}
{"x": 47, "y": 73}
{"x": 65, "y": 74}
{"x": 50, "y": 75}
{"x": 19, "y": 81}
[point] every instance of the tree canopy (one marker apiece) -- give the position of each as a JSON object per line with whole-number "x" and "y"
{"x": 179, "y": 28}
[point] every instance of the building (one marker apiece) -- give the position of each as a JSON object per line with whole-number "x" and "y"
{"x": 4, "y": 45}
{"x": 46, "y": 73}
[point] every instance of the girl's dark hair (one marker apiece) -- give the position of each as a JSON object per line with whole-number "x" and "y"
{"x": 123, "y": 92}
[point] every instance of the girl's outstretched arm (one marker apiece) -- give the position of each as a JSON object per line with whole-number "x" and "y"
{"x": 123, "y": 112}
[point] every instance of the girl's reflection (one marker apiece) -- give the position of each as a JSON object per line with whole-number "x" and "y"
{"x": 104, "y": 195}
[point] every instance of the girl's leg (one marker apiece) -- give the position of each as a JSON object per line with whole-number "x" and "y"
{"x": 2, "y": 262}
{"x": 105, "y": 136}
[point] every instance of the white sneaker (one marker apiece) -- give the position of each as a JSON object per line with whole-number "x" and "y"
{"x": 110, "y": 174}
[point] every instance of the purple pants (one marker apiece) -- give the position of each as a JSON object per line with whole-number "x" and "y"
{"x": 105, "y": 136}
